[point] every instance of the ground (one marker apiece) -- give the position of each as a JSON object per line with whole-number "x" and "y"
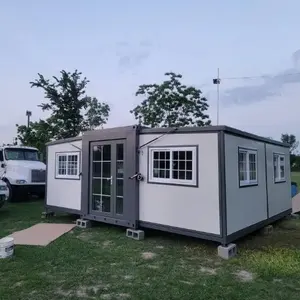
{"x": 101, "y": 263}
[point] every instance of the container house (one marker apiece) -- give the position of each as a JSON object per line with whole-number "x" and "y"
{"x": 216, "y": 182}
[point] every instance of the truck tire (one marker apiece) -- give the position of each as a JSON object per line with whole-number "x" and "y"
{"x": 10, "y": 190}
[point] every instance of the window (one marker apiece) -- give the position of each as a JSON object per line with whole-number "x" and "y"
{"x": 67, "y": 165}
{"x": 247, "y": 167}
{"x": 173, "y": 165}
{"x": 21, "y": 154}
{"x": 1, "y": 155}
{"x": 279, "y": 167}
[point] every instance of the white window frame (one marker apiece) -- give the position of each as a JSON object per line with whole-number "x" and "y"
{"x": 247, "y": 181}
{"x": 172, "y": 181}
{"x": 67, "y": 155}
{"x": 279, "y": 163}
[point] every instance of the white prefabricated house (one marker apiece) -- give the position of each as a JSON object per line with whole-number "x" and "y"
{"x": 215, "y": 182}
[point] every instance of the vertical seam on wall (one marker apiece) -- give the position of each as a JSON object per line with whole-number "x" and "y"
{"x": 137, "y": 168}
{"x": 266, "y": 178}
{"x": 46, "y": 179}
{"x": 222, "y": 187}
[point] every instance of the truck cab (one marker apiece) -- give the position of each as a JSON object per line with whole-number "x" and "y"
{"x": 22, "y": 171}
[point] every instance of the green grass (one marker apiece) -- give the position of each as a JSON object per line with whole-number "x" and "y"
{"x": 101, "y": 263}
{"x": 296, "y": 178}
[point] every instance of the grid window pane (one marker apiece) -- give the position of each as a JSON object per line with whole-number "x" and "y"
{"x": 243, "y": 165}
{"x": 175, "y": 166}
{"x": 247, "y": 162}
{"x": 182, "y": 164}
{"x": 62, "y": 164}
{"x": 161, "y": 164}
{"x": 68, "y": 165}
{"x": 279, "y": 167}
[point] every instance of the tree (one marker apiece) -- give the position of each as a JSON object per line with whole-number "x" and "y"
{"x": 171, "y": 104}
{"x": 291, "y": 140}
{"x": 96, "y": 114}
{"x": 36, "y": 135}
{"x": 72, "y": 111}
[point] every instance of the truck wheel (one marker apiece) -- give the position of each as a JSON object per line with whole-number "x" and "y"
{"x": 10, "y": 190}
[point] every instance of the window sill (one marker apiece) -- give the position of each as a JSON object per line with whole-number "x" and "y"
{"x": 173, "y": 183}
{"x": 77, "y": 177}
{"x": 279, "y": 181}
{"x": 248, "y": 184}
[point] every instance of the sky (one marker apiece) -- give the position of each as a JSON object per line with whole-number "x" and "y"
{"x": 119, "y": 45}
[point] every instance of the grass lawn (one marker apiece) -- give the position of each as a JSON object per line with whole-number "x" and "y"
{"x": 101, "y": 263}
{"x": 296, "y": 178}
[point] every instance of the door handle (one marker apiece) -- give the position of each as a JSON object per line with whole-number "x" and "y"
{"x": 111, "y": 180}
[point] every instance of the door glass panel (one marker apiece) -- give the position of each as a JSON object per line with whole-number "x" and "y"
{"x": 106, "y": 204}
{"x": 97, "y": 153}
{"x": 119, "y": 180}
{"x": 97, "y": 186}
{"x": 119, "y": 205}
{"x": 120, "y": 152}
{"x": 97, "y": 166}
{"x": 120, "y": 187}
{"x": 96, "y": 202}
{"x": 101, "y": 178}
{"x": 106, "y": 169}
{"x": 106, "y": 186}
{"x": 106, "y": 152}
{"x": 120, "y": 169}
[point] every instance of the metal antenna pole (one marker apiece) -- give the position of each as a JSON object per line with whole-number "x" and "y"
{"x": 28, "y": 114}
{"x": 217, "y": 81}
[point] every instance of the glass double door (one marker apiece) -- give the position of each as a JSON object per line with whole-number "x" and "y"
{"x": 107, "y": 178}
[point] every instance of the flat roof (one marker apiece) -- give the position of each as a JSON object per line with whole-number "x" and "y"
{"x": 212, "y": 128}
{"x": 67, "y": 140}
{"x": 191, "y": 129}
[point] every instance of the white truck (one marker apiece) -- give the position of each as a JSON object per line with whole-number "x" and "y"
{"x": 22, "y": 171}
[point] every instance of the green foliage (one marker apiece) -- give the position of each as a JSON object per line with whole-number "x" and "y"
{"x": 171, "y": 104}
{"x": 291, "y": 140}
{"x": 71, "y": 111}
{"x": 67, "y": 101}
{"x": 36, "y": 135}
{"x": 97, "y": 113}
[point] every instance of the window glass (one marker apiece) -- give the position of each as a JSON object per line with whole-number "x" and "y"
{"x": 67, "y": 165}
{"x": 175, "y": 165}
{"x": 247, "y": 162}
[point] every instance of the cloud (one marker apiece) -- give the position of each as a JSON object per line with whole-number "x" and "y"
{"x": 132, "y": 56}
{"x": 270, "y": 86}
{"x": 264, "y": 87}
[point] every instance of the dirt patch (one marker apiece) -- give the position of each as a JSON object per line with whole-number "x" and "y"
{"x": 244, "y": 276}
{"x": 18, "y": 284}
{"x": 186, "y": 282}
{"x": 85, "y": 236}
{"x": 120, "y": 296}
{"x": 106, "y": 296}
{"x": 148, "y": 255}
{"x": 82, "y": 292}
{"x": 208, "y": 271}
{"x": 123, "y": 296}
{"x": 60, "y": 292}
{"x": 107, "y": 243}
{"x": 160, "y": 247}
{"x": 154, "y": 267}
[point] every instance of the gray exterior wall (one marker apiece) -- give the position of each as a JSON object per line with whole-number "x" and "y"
{"x": 279, "y": 194}
{"x": 245, "y": 206}
{"x": 182, "y": 207}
